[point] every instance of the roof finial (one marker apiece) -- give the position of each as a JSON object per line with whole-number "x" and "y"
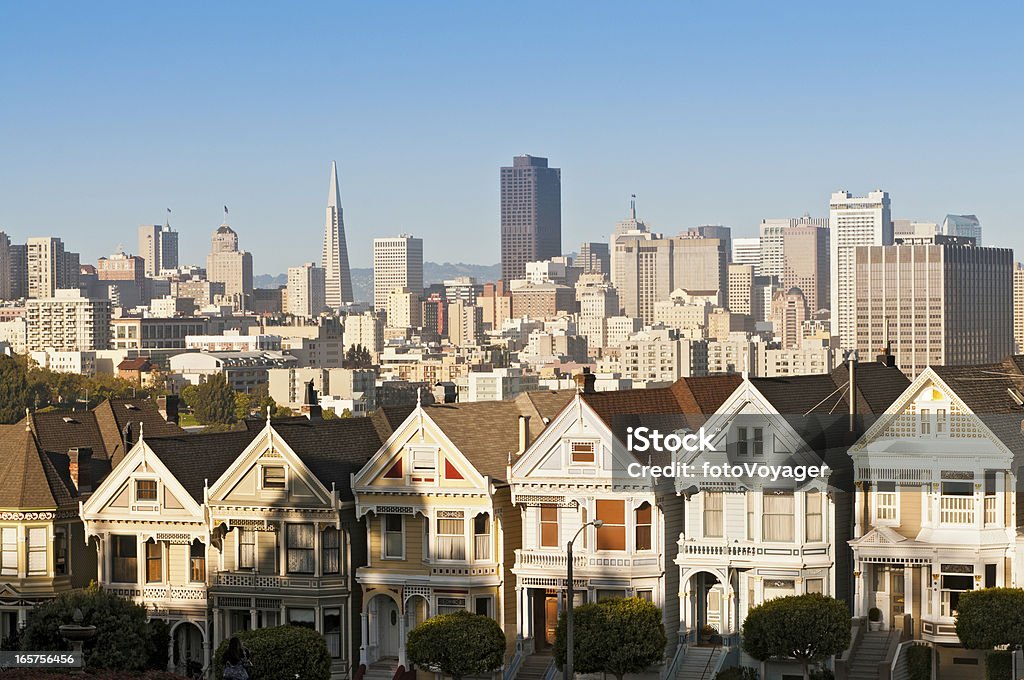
{"x": 141, "y": 427}
{"x": 268, "y": 414}
{"x": 28, "y": 420}
{"x": 419, "y": 400}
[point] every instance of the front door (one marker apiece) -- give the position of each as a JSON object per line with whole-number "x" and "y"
{"x": 388, "y": 622}
{"x": 897, "y": 600}
{"x": 550, "y": 618}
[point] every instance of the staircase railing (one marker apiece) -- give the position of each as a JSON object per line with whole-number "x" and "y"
{"x": 512, "y": 667}
{"x": 672, "y": 667}
{"x": 900, "y": 670}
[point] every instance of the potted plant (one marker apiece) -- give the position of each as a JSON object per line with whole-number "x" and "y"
{"x": 874, "y": 619}
{"x": 706, "y": 633}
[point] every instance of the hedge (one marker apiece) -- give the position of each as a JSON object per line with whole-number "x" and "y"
{"x": 281, "y": 652}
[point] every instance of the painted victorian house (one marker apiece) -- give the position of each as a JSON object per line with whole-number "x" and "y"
{"x": 441, "y": 529}
{"x": 754, "y": 537}
{"x": 936, "y": 510}
{"x": 580, "y": 470}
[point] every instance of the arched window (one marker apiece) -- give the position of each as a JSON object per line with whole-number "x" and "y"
{"x": 197, "y": 561}
{"x": 643, "y": 526}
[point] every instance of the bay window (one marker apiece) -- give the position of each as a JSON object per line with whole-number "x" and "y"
{"x": 815, "y": 516}
{"x": 9, "y": 551}
{"x": 482, "y": 537}
{"x": 450, "y": 541}
{"x": 713, "y": 514}
{"x": 549, "y": 526}
{"x": 301, "y": 552}
{"x": 394, "y": 537}
{"x": 643, "y": 526}
{"x": 330, "y": 551}
{"x": 777, "y": 516}
{"x": 36, "y": 551}
{"x": 246, "y": 548}
{"x": 124, "y": 554}
{"x": 197, "y": 561}
{"x": 611, "y": 535}
{"x": 154, "y": 562}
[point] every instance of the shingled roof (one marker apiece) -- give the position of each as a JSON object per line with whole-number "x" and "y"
{"x": 116, "y": 416}
{"x": 30, "y": 480}
{"x": 877, "y": 387}
{"x": 198, "y": 459}
{"x": 988, "y": 390}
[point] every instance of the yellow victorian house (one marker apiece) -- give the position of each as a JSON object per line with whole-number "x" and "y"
{"x": 441, "y": 528}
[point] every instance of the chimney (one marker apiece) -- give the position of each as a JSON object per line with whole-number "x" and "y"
{"x": 311, "y": 404}
{"x": 524, "y": 434}
{"x": 168, "y": 407}
{"x": 78, "y": 468}
{"x": 886, "y": 357}
{"x": 586, "y": 382}
{"x": 851, "y": 363}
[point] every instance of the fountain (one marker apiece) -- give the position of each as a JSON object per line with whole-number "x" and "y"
{"x": 77, "y": 634}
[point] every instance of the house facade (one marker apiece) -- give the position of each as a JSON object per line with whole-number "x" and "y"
{"x": 580, "y": 470}
{"x": 755, "y": 537}
{"x": 936, "y": 500}
{"x": 441, "y": 530}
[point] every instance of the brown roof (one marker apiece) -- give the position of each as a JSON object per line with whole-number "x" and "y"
{"x": 120, "y": 419}
{"x": 30, "y": 480}
{"x": 877, "y": 387}
{"x": 989, "y": 391}
{"x": 139, "y": 364}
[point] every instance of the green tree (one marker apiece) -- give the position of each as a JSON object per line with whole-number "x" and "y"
{"x": 808, "y": 628}
{"x": 124, "y": 641}
{"x": 616, "y": 636}
{"x": 457, "y": 644}
{"x": 188, "y": 394}
{"x": 215, "y": 401}
{"x": 15, "y": 393}
{"x": 357, "y": 356}
{"x": 281, "y": 652}
{"x": 990, "y": 617}
{"x": 243, "y": 405}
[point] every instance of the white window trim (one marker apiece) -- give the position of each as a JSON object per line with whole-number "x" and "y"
{"x": 558, "y": 528}
{"x": 568, "y": 444}
{"x": 875, "y": 520}
{"x": 145, "y": 506}
{"x": 434, "y": 452}
{"x": 287, "y": 476}
{"x": 384, "y": 538}
{"x": 47, "y": 537}
{"x": 254, "y": 569}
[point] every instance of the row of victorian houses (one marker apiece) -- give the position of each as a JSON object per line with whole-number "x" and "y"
{"x": 363, "y": 528}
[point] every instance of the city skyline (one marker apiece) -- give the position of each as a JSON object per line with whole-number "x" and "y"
{"x": 702, "y": 128}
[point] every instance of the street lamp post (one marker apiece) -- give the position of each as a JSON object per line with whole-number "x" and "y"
{"x": 569, "y": 670}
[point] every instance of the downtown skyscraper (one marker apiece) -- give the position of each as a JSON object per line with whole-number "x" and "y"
{"x": 531, "y": 214}
{"x": 337, "y": 275}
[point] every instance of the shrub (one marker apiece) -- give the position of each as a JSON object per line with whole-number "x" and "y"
{"x": 123, "y": 639}
{"x": 457, "y": 644}
{"x": 821, "y": 674}
{"x": 281, "y": 652}
{"x": 33, "y": 674}
{"x": 990, "y": 617}
{"x": 998, "y": 666}
{"x": 874, "y": 615}
{"x": 808, "y": 628}
{"x": 919, "y": 662}
{"x": 615, "y": 636}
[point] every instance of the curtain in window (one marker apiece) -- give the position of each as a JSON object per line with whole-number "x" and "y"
{"x": 814, "y": 516}
{"x": 778, "y": 516}
{"x": 246, "y": 548}
{"x": 451, "y": 539}
{"x": 301, "y": 558}
{"x": 37, "y": 550}
{"x": 643, "y": 527}
{"x": 713, "y": 514}
{"x": 330, "y": 545}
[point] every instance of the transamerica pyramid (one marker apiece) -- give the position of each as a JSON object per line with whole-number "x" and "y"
{"x": 338, "y": 277}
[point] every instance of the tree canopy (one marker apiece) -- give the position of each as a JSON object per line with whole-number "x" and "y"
{"x": 357, "y": 356}
{"x": 990, "y": 617}
{"x": 458, "y": 644}
{"x": 808, "y": 628}
{"x": 281, "y": 652}
{"x": 214, "y": 402}
{"x": 616, "y": 636}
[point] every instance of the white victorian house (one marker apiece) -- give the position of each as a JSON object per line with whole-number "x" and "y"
{"x": 578, "y": 471}
{"x": 749, "y": 538}
{"x": 936, "y": 509}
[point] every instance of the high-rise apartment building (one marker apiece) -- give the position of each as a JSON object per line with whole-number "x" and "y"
{"x": 228, "y": 265}
{"x": 50, "y": 267}
{"x": 19, "y": 270}
{"x": 338, "y": 276}
{"x": 306, "y": 290}
{"x": 6, "y": 273}
{"x": 805, "y": 264}
{"x": 404, "y": 308}
{"x": 68, "y": 322}
{"x": 854, "y": 221}
{"x": 773, "y": 260}
{"x": 366, "y": 330}
{"x": 747, "y": 251}
{"x": 1018, "y": 308}
{"x": 939, "y": 301}
{"x": 741, "y": 288}
{"x": 652, "y": 269}
{"x": 531, "y": 214}
{"x": 397, "y": 264}
{"x": 594, "y": 258}
{"x": 158, "y": 247}
{"x": 121, "y": 267}
{"x": 962, "y": 225}
{"x": 789, "y": 311}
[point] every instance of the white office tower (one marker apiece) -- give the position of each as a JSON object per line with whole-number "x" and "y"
{"x": 962, "y": 225}
{"x": 337, "y": 275}
{"x": 773, "y": 258}
{"x": 158, "y": 246}
{"x": 629, "y": 229}
{"x": 397, "y": 263}
{"x": 306, "y": 290}
{"x": 747, "y": 251}
{"x": 854, "y": 221}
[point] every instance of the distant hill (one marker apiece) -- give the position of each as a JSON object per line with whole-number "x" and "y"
{"x": 433, "y": 272}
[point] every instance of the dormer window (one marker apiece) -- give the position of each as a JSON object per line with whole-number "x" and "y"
{"x": 749, "y": 441}
{"x": 582, "y": 452}
{"x": 423, "y": 464}
{"x": 274, "y": 477}
{"x": 145, "y": 490}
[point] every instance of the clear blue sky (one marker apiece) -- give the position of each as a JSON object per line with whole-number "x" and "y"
{"x": 710, "y": 112}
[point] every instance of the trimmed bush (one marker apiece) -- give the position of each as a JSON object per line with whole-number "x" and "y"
{"x": 124, "y": 641}
{"x": 919, "y": 662}
{"x": 990, "y": 617}
{"x": 281, "y": 652}
{"x": 998, "y": 666}
{"x": 33, "y": 674}
{"x": 616, "y": 636}
{"x": 737, "y": 673}
{"x": 808, "y": 628}
{"x": 457, "y": 644}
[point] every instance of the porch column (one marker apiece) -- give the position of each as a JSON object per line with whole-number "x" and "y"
{"x": 170, "y": 653}
{"x": 730, "y": 610}
{"x": 859, "y": 591}
{"x": 218, "y": 634}
{"x": 252, "y": 619}
{"x": 520, "y": 619}
{"x": 364, "y": 639}
{"x": 908, "y": 595}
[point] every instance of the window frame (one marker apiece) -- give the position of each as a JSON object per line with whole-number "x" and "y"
{"x": 60, "y": 552}
{"x": 153, "y": 559}
{"x": 284, "y": 478}
{"x": 385, "y": 532}
{"x": 9, "y": 549}
{"x": 329, "y": 551}
{"x": 119, "y": 540}
{"x": 36, "y": 549}
{"x": 194, "y": 561}
{"x": 136, "y": 487}
{"x": 638, "y": 525}
{"x": 246, "y": 531}
{"x": 542, "y": 523}
{"x": 572, "y": 453}
{"x": 607, "y": 526}
{"x": 306, "y": 552}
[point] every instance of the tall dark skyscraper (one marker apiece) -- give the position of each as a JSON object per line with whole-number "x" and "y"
{"x": 531, "y": 214}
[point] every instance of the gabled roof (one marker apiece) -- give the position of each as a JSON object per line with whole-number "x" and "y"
{"x": 113, "y": 416}
{"x": 486, "y": 432}
{"x": 197, "y": 459}
{"x": 138, "y": 364}
{"x": 30, "y": 479}
{"x": 687, "y": 402}
{"x": 877, "y": 387}
{"x": 988, "y": 391}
